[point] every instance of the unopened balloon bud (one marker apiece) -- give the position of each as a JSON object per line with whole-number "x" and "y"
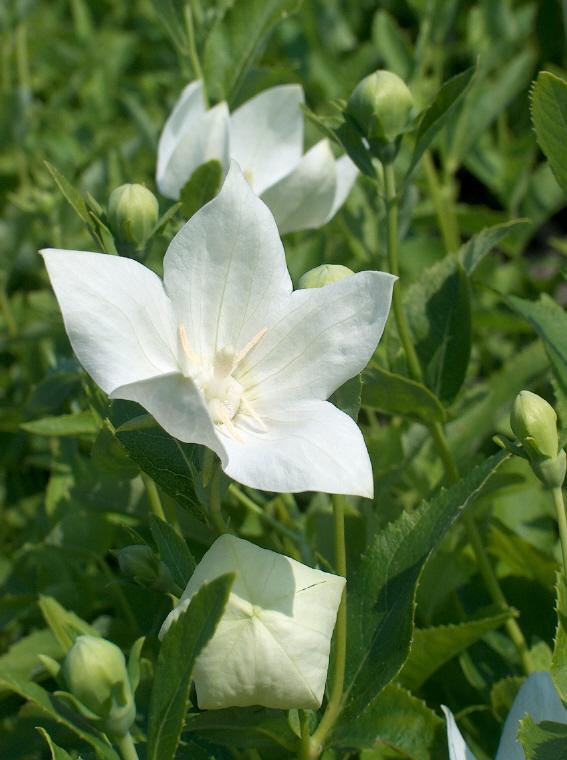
{"x": 323, "y": 275}
{"x": 133, "y": 212}
{"x": 380, "y": 106}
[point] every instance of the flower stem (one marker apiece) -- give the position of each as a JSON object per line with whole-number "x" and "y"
{"x": 443, "y": 206}
{"x": 397, "y": 305}
{"x": 153, "y": 497}
{"x": 312, "y": 748}
{"x": 126, "y": 746}
{"x": 251, "y": 505}
{"x": 436, "y": 428}
{"x": 193, "y": 54}
{"x": 562, "y": 523}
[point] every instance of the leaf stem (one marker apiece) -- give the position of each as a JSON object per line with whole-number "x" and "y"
{"x": 312, "y": 748}
{"x": 126, "y": 746}
{"x": 399, "y": 313}
{"x": 153, "y": 497}
{"x": 192, "y": 47}
{"x": 443, "y": 206}
{"x": 562, "y": 523}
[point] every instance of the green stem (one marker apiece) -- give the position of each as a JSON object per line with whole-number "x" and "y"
{"x": 313, "y": 747}
{"x": 215, "y": 504}
{"x": 562, "y": 523}
{"x": 443, "y": 206}
{"x": 126, "y": 746}
{"x": 193, "y": 54}
{"x": 397, "y": 305}
{"x": 153, "y": 497}
{"x": 251, "y": 505}
{"x": 486, "y": 570}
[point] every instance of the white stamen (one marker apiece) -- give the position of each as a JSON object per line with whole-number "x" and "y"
{"x": 249, "y": 346}
{"x": 222, "y": 413}
{"x": 249, "y": 410}
{"x": 191, "y": 355}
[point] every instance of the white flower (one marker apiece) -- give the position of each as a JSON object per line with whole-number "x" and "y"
{"x": 271, "y": 646}
{"x": 223, "y": 353}
{"x": 265, "y": 137}
{"x": 537, "y": 697}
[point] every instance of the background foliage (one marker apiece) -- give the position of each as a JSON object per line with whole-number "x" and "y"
{"x": 86, "y": 88}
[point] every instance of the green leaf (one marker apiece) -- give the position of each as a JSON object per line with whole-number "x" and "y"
{"x": 71, "y": 194}
{"x": 549, "y": 320}
{"x": 474, "y": 250}
{"x": 201, "y": 187}
{"x": 439, "y": 313}
{"x": 254, "y": 728}
{"x": 394, "y": 46}
{"x": 173, "y": 551}
{"x": 559, "y": 660}
{"x": 396, "y": 394}
{"x": 348, "y": 397}
{"x": 549, "y": 116}
{"x": 435, "y": 116}
{"x": 21, "y": 659}
{"x": 57, "y": 753}
{"x": 432, "y": 647}
{"x": 80, "y": 423}
{"x": 181, "y": 645}
{"x": 543, "y": 741}
{"x": 381, "y": 596}
{"x": 50, "y": 706}
{"x": 172, "y": 20}
{"x": 66, "y": 626}
{"x": 237, "y": 40}
{"x": 172, "y": 464}
{"x": 395, "y": 719}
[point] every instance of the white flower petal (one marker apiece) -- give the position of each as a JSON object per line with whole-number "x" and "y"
{"x": 304, "y": 198}
{"x": 188, "y": 107}
{"x": 307, "y": 446}
{"x": 324, "y": 337}
{"x": 266, "y": 135}
{"x": 537, "y": 697}
{"x": 272, "y": 644}
{"x": 117, "y": 316}
{"x": 346, "y": 177}
{"x": 204, "y": 138}
{"x": 176, "y": 404}
{"x": 458, "y": 749}
{"x": 225, "y": 271}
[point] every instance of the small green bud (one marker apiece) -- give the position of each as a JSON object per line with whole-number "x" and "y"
{"x": 140, "y": 564}
{"x": 380, "y": 105}
{"x": 96, "y": 675}
{"x": 323, "y": 275}
{"x": 534, "y": 423}
{"x": 133, "y": 212}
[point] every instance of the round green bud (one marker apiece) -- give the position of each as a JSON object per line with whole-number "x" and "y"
{"x": 139, "y": 563}
{"x": 326, "y": 274}
{"x": 534, "y": 423}
{"x": 380, "y": 105}
{"x": 95, "y": 673}
{"x": 133, "y": 212}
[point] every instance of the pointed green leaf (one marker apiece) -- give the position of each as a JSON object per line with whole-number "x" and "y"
{"x": 173, "y": 551}
{"x": 66, "y": 626}
{"x": 543, "y": 741}
{"x": 474, "y": 250}
{"x": 80, "y": 423}
{"x": 57, "y": 753}
{"x": 257, "y": 728}
{"x": 396, "y": 394}
{"x": 201, "y": 187}
{"x": 181, "y": 645}
{"x": 559, "y": 660}
{"x": 549, "y": 115}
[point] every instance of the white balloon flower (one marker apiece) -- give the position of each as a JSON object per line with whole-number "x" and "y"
{"x": 265, "y": 137}
{"x": 537, "y": 697}
{"x": 223, "y": 353}
{"x": 271, "y": 646}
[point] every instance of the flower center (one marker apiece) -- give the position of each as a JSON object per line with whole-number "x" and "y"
{"x": 224, "y": 396}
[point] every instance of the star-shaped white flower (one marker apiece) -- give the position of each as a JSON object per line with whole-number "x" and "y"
{"x": 265, "y": 137}
{"x": 537, "y": 697}
{"x": 223, "y": 353}
{"x": 271, "y": 646}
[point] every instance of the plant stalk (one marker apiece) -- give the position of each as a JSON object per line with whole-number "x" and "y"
{"x": 153, "y": 497}
{"x": 562, "y": 523}
{"x": 126, "y": 746}
{"x": 443, "y": 207}
{"x": 311, "y": 748}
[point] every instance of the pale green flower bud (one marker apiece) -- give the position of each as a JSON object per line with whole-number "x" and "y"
{"x": 133, "y": 212}
{"x": 139, "y": 563}
{"x": 96, "y": 675}
{"x": 323, "y": 275}
{"x": 380, "y": 105}
{"x": 534, "y": 423}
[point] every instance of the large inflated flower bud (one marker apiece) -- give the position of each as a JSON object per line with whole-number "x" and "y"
{"x": 323, "y": 275}
{"x": 534, "y": 423}
{"x": 380, "y": 106}
{"x": 96, "y": 675}
{"x": 133, "y": 212}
